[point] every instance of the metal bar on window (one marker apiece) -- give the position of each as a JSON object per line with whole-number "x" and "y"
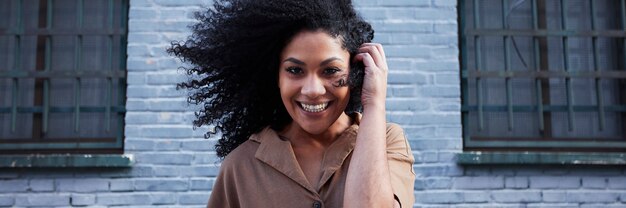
{"x": 568, "y": 81}
{"x": 48, "y": 60}
{"x": 507, "y": 65}
{"x": 64, "y": 74}
{"x": 546, "y": 33}
{"x": 605, "y": 74}
{"x": 16, "y": 66}
{"x": 108, "y": 96}
{"x": 536, "y": 50}
{"x": 121, "y": 96}
{"x": 77, "y": 65}
{"x": 546, "y": 108}
{"x": 477, "y": 55}
{"x": 596, "y": 65}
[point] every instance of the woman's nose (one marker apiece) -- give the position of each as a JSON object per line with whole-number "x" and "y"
{"x": 313, "y": 87}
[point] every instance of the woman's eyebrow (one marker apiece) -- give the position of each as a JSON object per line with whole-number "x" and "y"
{"x": 331, "y": 59}
{"x": 294, "y": 60}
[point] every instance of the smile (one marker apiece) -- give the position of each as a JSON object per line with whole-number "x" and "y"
{"x": 314, "y": 108}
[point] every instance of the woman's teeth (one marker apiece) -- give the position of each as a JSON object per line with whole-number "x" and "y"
{"x": 314, "y": 108}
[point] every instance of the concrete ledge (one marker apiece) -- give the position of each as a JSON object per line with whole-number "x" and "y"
{"x": 65, "y": 160}
{"x": 540, "y": 158}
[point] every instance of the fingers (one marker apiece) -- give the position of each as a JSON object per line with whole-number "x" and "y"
{"x": 376, "y": 52}
{"x": 367, "y": 59}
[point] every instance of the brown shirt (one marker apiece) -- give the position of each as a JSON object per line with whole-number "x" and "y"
{"x": 263, "y": 172}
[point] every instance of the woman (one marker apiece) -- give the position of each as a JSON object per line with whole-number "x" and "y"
{"x": 284, "y": 82}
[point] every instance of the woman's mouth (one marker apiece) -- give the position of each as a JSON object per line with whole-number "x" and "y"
{"x": 314, "y": 108}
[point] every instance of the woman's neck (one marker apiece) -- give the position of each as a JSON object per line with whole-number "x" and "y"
{"x": 299, "y": 137}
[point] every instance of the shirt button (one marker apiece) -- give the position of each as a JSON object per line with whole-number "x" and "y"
{"x": 317, "y": 204}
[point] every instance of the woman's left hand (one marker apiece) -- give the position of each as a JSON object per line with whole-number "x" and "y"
{"x": 375, "y": 81}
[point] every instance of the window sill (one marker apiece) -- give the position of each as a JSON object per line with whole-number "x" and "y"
{"x": 66, "y": 160}
{"x": 540, "y": 158}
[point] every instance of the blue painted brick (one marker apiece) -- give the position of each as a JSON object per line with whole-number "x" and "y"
{"x": 439, "y": 66}
{"x": 141, "y": 64}
{"x": 143, "y": 26}
{"x": 407, "y": 104}
{"x": 480, "y": 182}
{"x": 144, "y": 38}
{"x": 166, "y": 78}
{"x": 546, "y": 182}
{"x": 197, "y": 145}
{"x": 193, "y": 198}
{"x": 82, "y": 185}
{"x": 441, "y": 91}
{"x": 475, "y": 197}
{"x": 47, "y": 200}
{"x": 121, "y": 185}
{"x": 176, "y": 3}
{"x": 421, "y": 132}
{"x": 139, "y": 145}
{"x": 108, "y": 199}
{"x": 438, "y": 197}
{"x": 407, "y": 51}
{"x": 167, "y": 171}
{"x": 413, "y": 27}
{"x": 12, "y": 186}
{"x": 167, "y": 132}
{"x": 617, "y": 182}
{"x": 406, "y": 78}
{"x": 429, "y": 157}
{"x": 516, "y": 182}
{"x": 206, "y": 170}
{"x": 163, "y": 198}
{"x": 206, "y": 158}
{"x": 437, "y": 183}
{"x": 161, "y": 185}
{"x": 373, "y": 13}
{"x": 445, "y": 3}
{"x": 552, "y": 205}
{"x": 594, "y": 182}
{"x": 516, "y": 196}
{"x": 401, "y": 13}
{"x": 427, "y": 170}
{"x": 404, "y": 3}
{"x": 82, "y": 199}
{"x": 41, "y": 185}
{"x": 402, "y": 91}
{"x": 164, "y": 158}
{"x": 438, "y": 14}
{"x": 446, "y": 28}
{"x": 167, "y": 145}
{"x": 143, "y": 13}
{"x": 202, "y": 184}
{"x": 7, "y": 201}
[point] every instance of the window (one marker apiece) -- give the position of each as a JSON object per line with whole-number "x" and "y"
{"x": 62, "y": 76}
{"x": 543, "y": 75}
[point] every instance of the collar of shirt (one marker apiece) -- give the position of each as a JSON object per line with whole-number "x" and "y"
{"x": 278, "y": 154}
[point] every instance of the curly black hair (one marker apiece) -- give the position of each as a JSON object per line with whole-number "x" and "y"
{"x": 233, "y": 56}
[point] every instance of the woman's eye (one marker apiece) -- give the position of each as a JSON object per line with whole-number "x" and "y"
{"x": 331, "y": 71}
{"x": 294, "y": 70}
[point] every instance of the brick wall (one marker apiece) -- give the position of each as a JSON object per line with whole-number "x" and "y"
{"x": 176, "y": 167}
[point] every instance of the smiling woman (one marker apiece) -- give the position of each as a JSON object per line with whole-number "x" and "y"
{"x": 298, "y": 94}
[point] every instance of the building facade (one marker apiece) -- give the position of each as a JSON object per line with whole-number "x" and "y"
{"x": 173, "y": 166}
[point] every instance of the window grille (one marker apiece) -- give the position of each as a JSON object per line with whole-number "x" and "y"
{"x": 543, "y": 75}
{"x": 62, "y": 76}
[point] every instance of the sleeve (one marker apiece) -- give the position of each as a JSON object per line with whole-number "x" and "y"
{"x": 224, "y": 192}
{"x": 400, "y": 160}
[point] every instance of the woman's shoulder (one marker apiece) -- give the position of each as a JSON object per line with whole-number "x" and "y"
{"x": 243, "y": 154}
{"x": 397, "y": 141}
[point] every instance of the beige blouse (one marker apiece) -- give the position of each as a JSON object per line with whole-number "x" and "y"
{"x": 263, "y": 172}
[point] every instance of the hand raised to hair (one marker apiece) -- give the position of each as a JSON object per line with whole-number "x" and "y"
{"x": 375, "y": 80}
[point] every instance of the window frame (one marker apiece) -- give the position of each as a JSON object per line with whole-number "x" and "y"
{"x": 474, "y": 147}
{"x": 42, "y": 106}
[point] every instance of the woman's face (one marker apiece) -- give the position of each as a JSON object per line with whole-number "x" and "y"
{"x": 312, "y": 66}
